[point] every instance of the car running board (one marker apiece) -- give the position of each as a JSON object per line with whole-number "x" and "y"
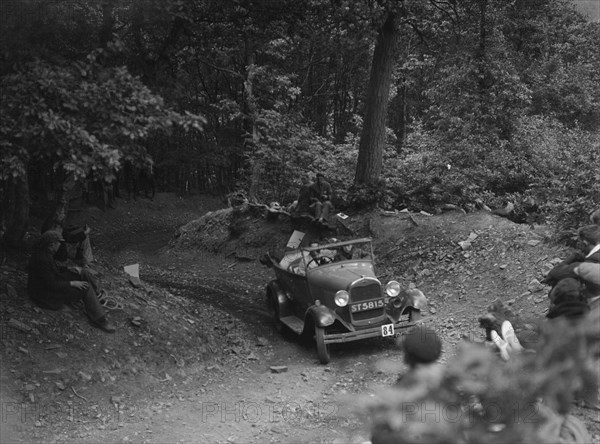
{"x": 293, "y": 323}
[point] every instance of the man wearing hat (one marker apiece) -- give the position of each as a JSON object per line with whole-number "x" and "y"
{"x": 51, "y": 287}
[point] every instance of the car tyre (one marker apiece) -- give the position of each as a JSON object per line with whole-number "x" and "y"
{"x": 273, "y": 307}
{"x": 322, "y": 347}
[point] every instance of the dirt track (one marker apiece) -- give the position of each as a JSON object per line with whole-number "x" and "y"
{"x": 198, "y": 370}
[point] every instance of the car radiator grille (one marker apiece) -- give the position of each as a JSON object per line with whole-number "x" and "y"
{"x": 366, "y": 291}
{"x": 359, "y": 293}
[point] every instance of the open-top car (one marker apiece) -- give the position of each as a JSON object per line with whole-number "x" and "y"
{"x": 331, "y": 292}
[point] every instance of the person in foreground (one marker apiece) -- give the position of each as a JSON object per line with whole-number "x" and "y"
{"x": 52, "y": 287}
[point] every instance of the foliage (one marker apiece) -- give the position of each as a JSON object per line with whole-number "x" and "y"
{"x": 476, "y": 398}
{"x": 471, "y": 81}
{"x": 288, "y": 154}
{"x": 78, "y": 117}
{"x": 565, "y": 171}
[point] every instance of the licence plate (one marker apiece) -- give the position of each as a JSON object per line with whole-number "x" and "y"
{"x": 387, "y": 330}
{"x": 368, "y": 305}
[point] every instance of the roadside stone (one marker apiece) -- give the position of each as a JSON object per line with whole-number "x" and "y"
{"x": 12, "y": 293}
{"x": 262, "y": 342}
{"x": 278, "y": 369}
{"x": 19, "y": 325}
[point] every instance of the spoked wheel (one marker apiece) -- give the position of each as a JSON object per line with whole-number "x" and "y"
{"x": 322, "y": 347}
{"x": 273, "y": 307}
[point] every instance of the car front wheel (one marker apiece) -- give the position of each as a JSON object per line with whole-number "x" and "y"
{"x": 322, "y": 347}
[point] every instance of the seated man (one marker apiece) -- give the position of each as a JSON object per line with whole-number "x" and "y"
{"x": 51, "y": 287}
{"x": 76, "y": 245}
{"x": 590, "y": 238}
{"x": 571, "y": 268}
{"x": 320, "y": 198}
{"x": 301, "y": 206}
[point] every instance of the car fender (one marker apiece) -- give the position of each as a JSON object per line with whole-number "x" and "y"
{"x": 284, "y": 304}
{"x": 415, "y": 298}
{"x": 321, "y": 315}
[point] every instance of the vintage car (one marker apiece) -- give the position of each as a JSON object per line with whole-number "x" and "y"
{"x": 331, "y": 293}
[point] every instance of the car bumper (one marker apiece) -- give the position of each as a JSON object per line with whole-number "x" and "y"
{"x": 372, "y": 332}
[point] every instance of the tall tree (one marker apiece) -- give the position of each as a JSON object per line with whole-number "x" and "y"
{"x": 370, "y": 151}
{"x": 75, "y": 118}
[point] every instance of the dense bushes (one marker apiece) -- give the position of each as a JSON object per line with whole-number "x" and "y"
{"x": 549, "y": 171}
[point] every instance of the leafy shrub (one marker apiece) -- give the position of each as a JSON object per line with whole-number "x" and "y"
{"x": 567, "y": 164}
{"x": 477, "y": 398}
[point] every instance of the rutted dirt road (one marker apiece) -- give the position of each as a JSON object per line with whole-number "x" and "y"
{"x": 199, "y": 367}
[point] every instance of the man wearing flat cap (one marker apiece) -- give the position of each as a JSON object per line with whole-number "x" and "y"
{"x": 52, "y": 287}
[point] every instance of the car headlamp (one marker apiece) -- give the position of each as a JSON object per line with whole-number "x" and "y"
{"x": 392, "y": 288}
{"x": 341, "y": 298}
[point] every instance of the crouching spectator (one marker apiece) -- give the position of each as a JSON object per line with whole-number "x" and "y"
{"x": 52, "y": 287}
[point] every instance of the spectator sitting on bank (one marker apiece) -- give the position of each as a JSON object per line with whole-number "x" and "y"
{"x": 567, "y": 300}
{"x": 76, "y": 245}
{"x": 320, "y": 198}
{"x": 52, "y": 287}
{"x": 590, "y": 238}
{"x": 581, "y": 265}
{"x": 301, "y": 206}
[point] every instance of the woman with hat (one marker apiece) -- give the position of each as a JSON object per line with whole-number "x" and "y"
{"x": 51, "y": 287}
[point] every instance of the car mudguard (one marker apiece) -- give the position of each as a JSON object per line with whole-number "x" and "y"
{"x": 322, "y": 316}
{"x": 415, "y": 298}
{"x": 284, "y": 304}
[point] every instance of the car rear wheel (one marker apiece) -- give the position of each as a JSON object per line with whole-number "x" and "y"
{"x": 322, "y": 347}
{"x": 273, "y": 307}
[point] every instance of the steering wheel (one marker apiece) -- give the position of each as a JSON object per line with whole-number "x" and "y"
{"x": 320, "y": 261}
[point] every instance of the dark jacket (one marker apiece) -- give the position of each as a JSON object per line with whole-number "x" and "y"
{"x": 304, "y": 200}
{"x": 591, "y": 289}
{"x": 47, "y": 285}
{"x": 321, "y": 192}
{"x": 569, "y": 309}
{"x": 566, "y": 270}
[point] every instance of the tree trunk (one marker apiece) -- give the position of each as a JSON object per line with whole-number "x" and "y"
{"x": 370, "y": 151}
{"x": 250, "y": 130}
{"x": 480, "y": 54}
{"x": 108, "y": 22}
{"x": 399, "y": 116}
{"x": 15, "y": 211}
{"x": 58, "y": 218}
